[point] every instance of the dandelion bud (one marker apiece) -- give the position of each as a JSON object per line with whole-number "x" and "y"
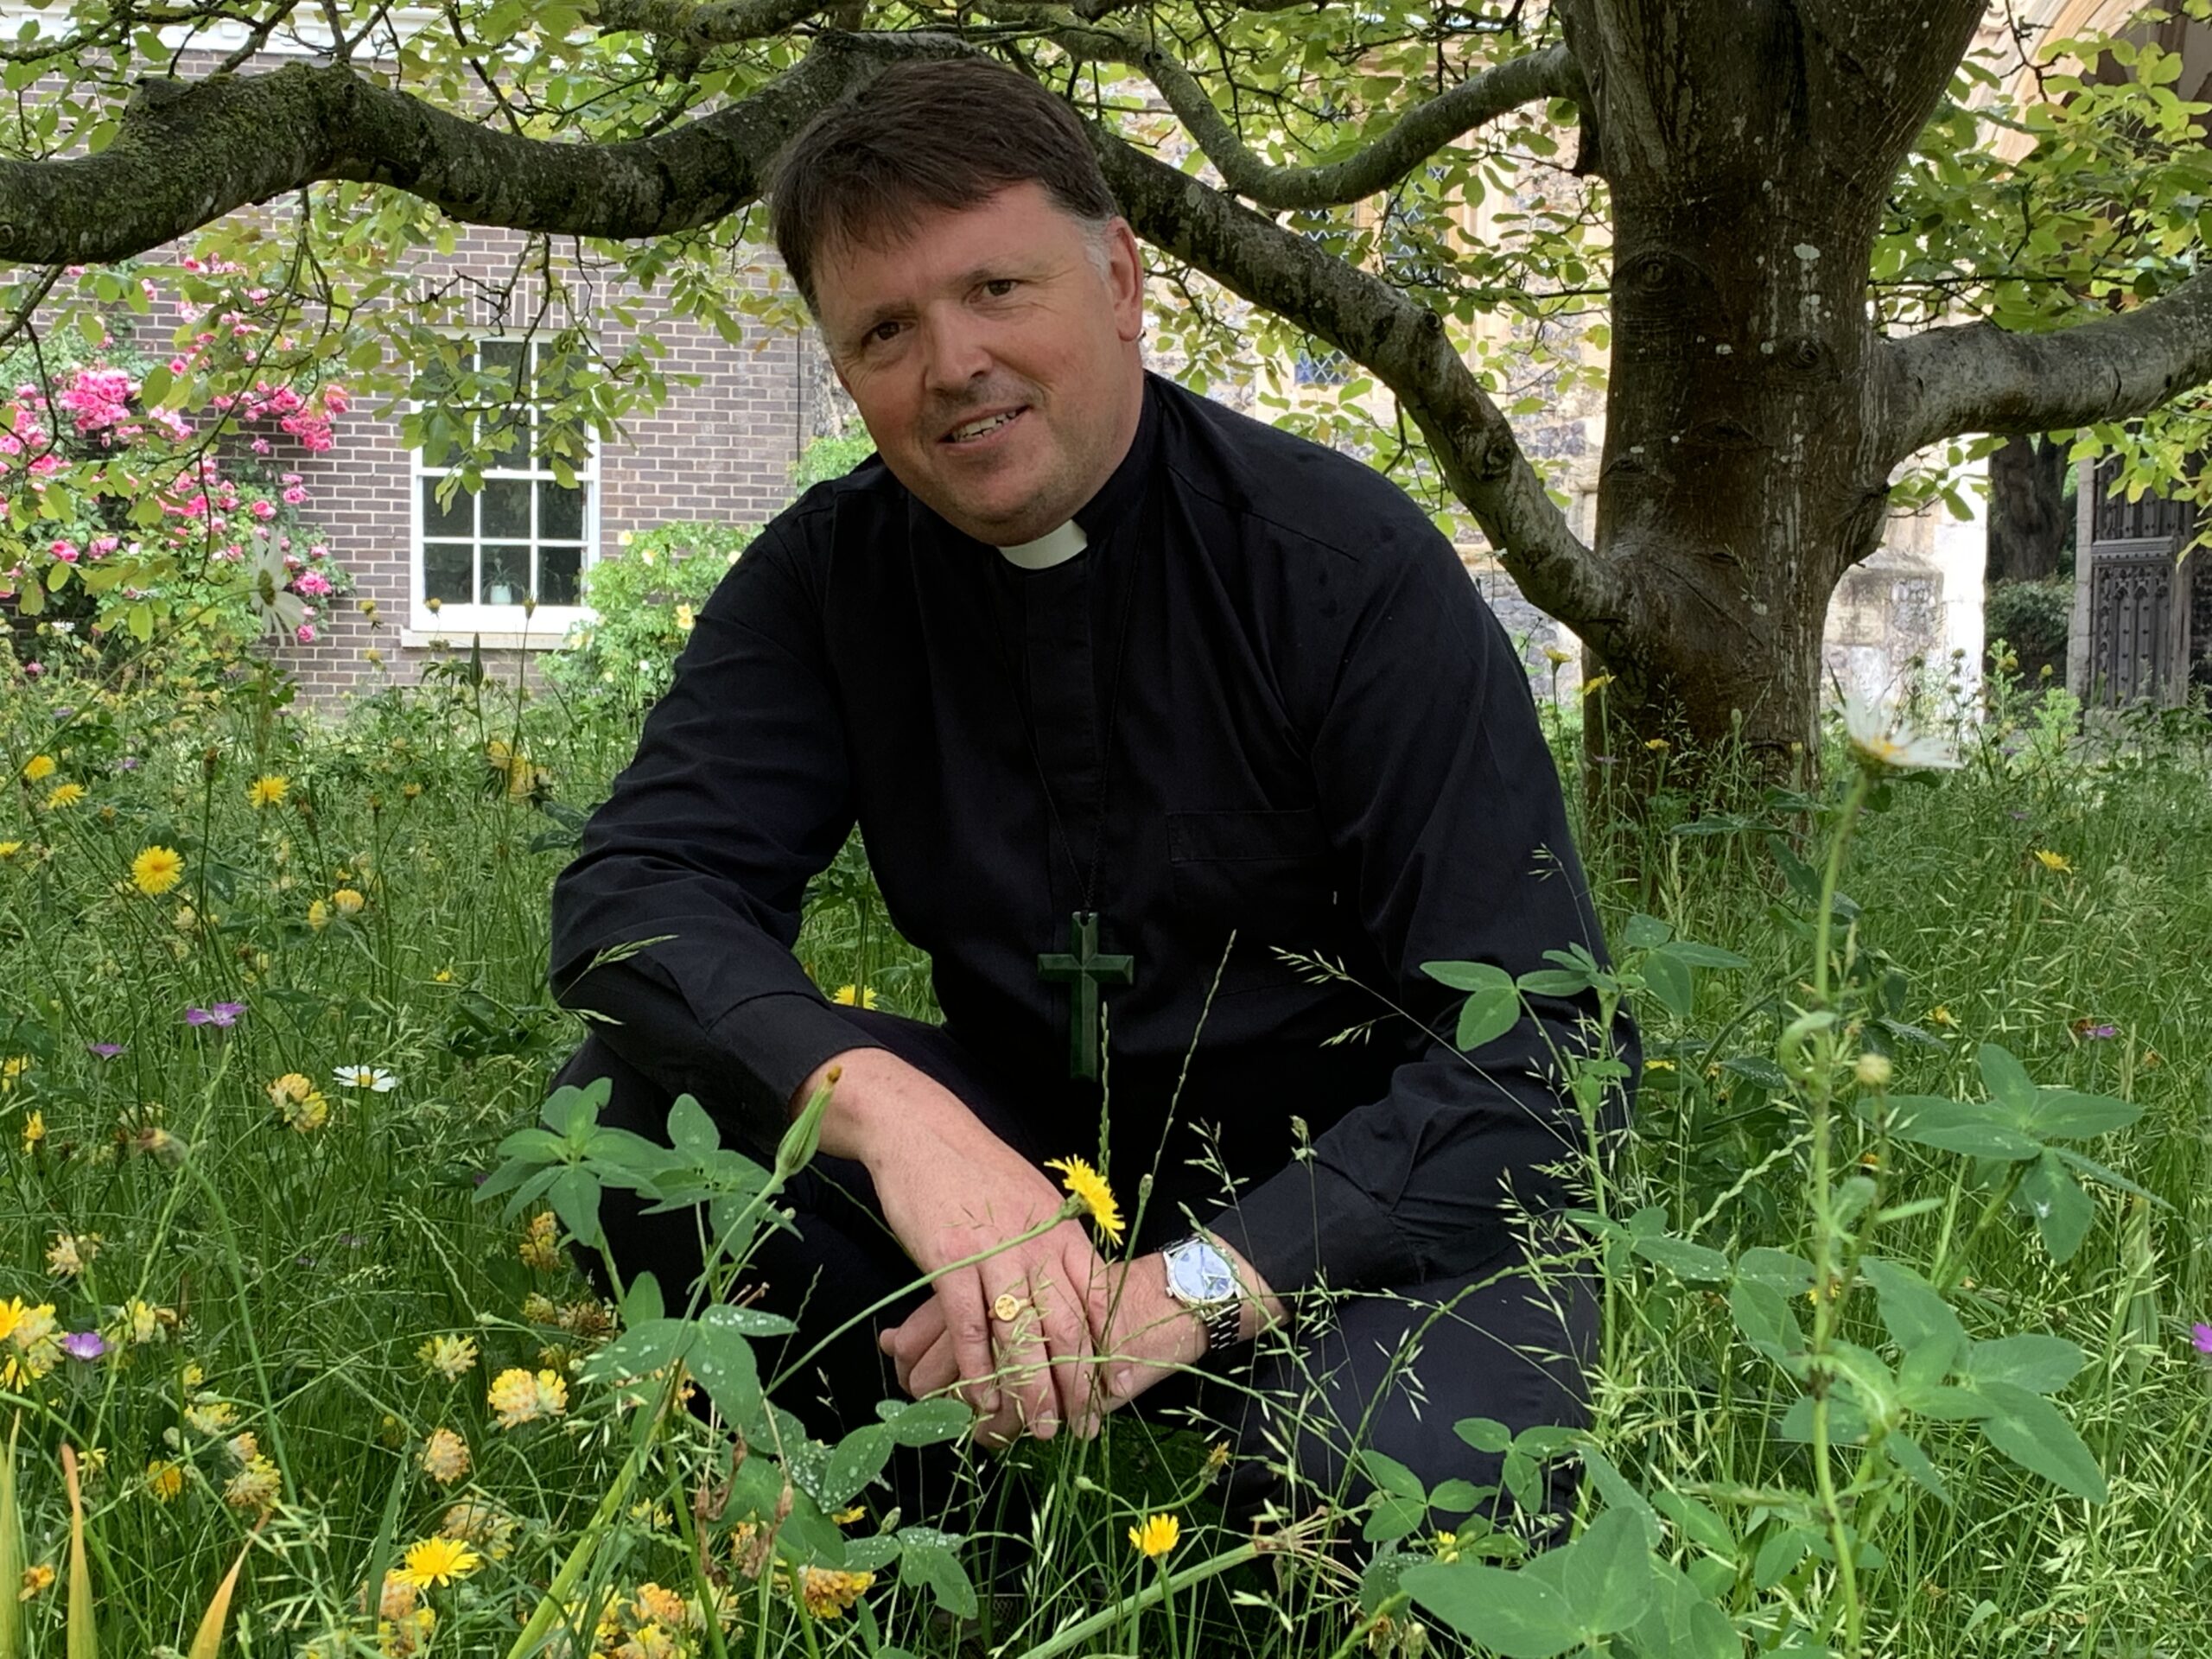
{"x": 529, "y": 604}
{"x": 434, "y": 604}
{"x": 1872, "y": 1072}
{"x": 208, "y": 759}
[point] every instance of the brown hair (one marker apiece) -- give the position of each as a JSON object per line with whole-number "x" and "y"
{"x": 947, "y": 133}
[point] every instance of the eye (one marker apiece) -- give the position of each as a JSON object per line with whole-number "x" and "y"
{"x": 880, "y": 333}
{"x": 999, "y": 287}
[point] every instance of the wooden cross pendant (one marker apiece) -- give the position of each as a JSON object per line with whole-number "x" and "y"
{"x": 1084, "y": 970}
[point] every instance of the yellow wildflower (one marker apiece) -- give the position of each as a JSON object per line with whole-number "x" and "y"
{"x": 2053, "y": 862}
{"x": 38, "y": 767}
{"x": 482, "y": 1525}
{"x": 1156, "y": 1536}
{"x": 318, "y": 915}
{"x": 157, "y": 869}
{"x": 1087, "y": 1183}
{"x": 164, "y": 1480}
{"x": 1598, "y": 683}
{"x": 1940, "y": 1015}
{"x": 538, "y": 1249}
{"x": 254, "y": 1487}
{"x": 34, "y": 1130}
{"x": 398, "y": 1596}
{"x": 450, "y": 1357}
{"x": 1557, "y": 658}
{"x": 244, "y": 1448}
{"x": 852, "y": 996}
{"x": 66, "y": 795}
{"x": 269, "y": 790}
{"x": 12, "y": 1068}
{"x": 66, "y": 1256}
{"x": 37, "y": 1580}
{"x": 828, "y": 1592}
{"x": 1872, "y": 1071}
{"x": 1661, "y": 1064}
{"x": 439, "y": 1560}
{"x": 32, "y": 1344}
{"x": 445, "y": 1457}
{"x": 138, "y": 1322}
{"x": 539, "y": 1309}
{"x": 520, "y": 1398}
{"x": 684, "y": 617}
{"x": 402, "y": 1639}
{"x": 9, "y": 848}
{"x": 347, "y": 902}
{"x": 210, "y": 1416}
{"x": 443, "y": 976}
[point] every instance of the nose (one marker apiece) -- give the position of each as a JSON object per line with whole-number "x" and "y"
{"x": 954, "y": 352}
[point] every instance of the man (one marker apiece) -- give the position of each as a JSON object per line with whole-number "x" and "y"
{"x": 1123, "y": 691}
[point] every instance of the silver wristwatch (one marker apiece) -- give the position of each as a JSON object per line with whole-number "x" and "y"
{"x": 1201, "y": 1278}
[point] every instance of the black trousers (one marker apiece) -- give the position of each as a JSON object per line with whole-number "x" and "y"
{"x": 1390, "y": 1371}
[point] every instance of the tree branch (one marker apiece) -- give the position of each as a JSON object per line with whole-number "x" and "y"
{"x": 1978, "y": 377}
{"x": 703, "y": 28}
{"x": 186, "y": 154}
{"x": 1408, "y": 350}
{"x": 1419, "y": 134}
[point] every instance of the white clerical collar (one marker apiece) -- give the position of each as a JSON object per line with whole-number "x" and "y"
{"x": 1054, "y": 547}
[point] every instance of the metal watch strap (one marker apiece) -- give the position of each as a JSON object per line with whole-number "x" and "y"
{"x": 1223, "y": 1324}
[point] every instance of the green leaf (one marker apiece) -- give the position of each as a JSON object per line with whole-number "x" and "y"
{"x": 575, "y": 1197}
{"x": 857, "y": 1459}
{"x": 1508, "y": 1612}
{"x": 1699, "y": 1263}
{"x": 1779, "y": 1555}
{"x": 925, "y": 1555}
{"x": 1691, "y": 954}
{"x": 2040, "y": 1365}
{"x": 1467, "y": 975}
{"x": 722, "y": 1361}
{"x": 690, "y": 1131}
{"x": 1667, "y": 978}
{"x": 1908, "y": 1457}
{"x": 1766, "y": 1319}
{"x": 2067, "y": 1115}
{"x": 1681, "y": 1623}
{"x": 1607, "y": 1573}
{"x": 1484, "y": 1434}
{"x": 2006, "y": 1079}
{"x": 1696, "y": 1522}
{"x": 1554, "y": 982}
{"x": 642, "y": 1300}
{"x": 1971, "y": 1127}
{"x": 1779, "y": 1270}
{"x": 1394, "y": 1517}
{"x": 2034, "y": 1433}
{"x": 1643, "y": 933}
{"x": 1916, "y": 1318}
{"x": 2062, "y": 1210}
{"x": 1487, "y": 1015}
{"x": 1391, "y": 1476}
{"x": 925, "y": 1422}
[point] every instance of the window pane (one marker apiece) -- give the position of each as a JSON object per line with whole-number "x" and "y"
{"x": 506, "y": 574}
{"x": 447, "y": 574}
{"x": 558, "y": 570}
{"x": 505, "y": 506}
{"x": 502, "y": 357}
{"x": 458, "y": 520}
{"x": 506, "y": 426}
{"x": 560, "y": 513}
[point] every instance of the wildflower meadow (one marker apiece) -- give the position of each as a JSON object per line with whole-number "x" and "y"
{"x": 1908, "y": 1345}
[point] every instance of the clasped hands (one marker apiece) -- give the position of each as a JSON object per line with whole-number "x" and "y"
{"x": 1084, "y": 1336}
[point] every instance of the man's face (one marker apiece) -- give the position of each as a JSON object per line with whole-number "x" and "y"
{"x": 996, "y": 314}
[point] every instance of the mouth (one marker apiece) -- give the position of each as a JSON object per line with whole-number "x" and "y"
{"x": 982, "y": 428}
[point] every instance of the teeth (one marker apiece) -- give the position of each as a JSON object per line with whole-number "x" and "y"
{"x": 979, "y": 427}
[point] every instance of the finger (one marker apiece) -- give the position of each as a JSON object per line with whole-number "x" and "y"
{"x": 1075, "y": 1370}
{"x": 934, "y": 1372}
{"x": 1039, "y": 1342}
{"x": 967, "y": 1321}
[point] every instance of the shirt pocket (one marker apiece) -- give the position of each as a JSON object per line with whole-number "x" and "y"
{"x": 1268, "y": 873}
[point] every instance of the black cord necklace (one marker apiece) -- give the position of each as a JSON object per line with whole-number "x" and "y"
{"x": 1081, "y": 967}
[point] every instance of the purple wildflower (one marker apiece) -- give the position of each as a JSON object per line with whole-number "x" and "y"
{"x": 84, "y": 1345}
{"x": 223, "y": 1014}
{"x": 105, "y": 1050}
{"x": 2201, "y": 1334}
{"x": 2099, "y": 1033}
{"x": 128, "y": 763}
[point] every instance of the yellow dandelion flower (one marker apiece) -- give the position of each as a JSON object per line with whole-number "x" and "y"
{"x": 449, "y": 1356}
{"x": 34, "y": 1130}
{"x": 347, "y": 902}
{"x": 164, "y": 1480}
{"x": 36, "y": 1581}
{"x": 66, "y": 795}
{"x": 156, "y": 869}
{"x": 9, "y": 848}
{"x": 852, "y": 997}
{"x": 520, "y": 1398}
{"x": 254, "y": 1487}
{"x": 539, "y": 1248}
{"x": 439, "y": 1560}
{"x": 1087, "y": 1183}
{"x": 1940, "y": 1015}
{"x": 318, "y": 915}
{"x": 39, "y": 766}
{"x": 11, "y": 1069}
{"x": 846, "y": 1518}
{"x": 1590, "y": 687}
{"x": 445, "y": 1457}
{"x": 1557, "y": 658}
{"x": 1657, "y": 745}
{"x": 443, "y": 976}
{"x": 269, "y": 790}
{"x": 2053, "y": 862}
{"x": 828, "y": 1592}
{"x": 1156, "y": 1536}
{"x": 1659, "y": 1065}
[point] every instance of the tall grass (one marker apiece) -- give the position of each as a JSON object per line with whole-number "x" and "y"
{"x": 262, "y": 1269}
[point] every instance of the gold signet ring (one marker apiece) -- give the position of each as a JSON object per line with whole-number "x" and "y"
{"x": 1008, "y": 1307}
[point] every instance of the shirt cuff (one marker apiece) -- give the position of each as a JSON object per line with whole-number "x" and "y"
{"x": 779, "y": 1038}
{"x": 1307, "y": 1223}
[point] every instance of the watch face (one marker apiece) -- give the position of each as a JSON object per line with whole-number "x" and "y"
{"x": 1199, "y": 1273}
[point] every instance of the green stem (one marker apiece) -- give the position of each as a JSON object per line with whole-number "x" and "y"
{"x": 1082, "y": 1630}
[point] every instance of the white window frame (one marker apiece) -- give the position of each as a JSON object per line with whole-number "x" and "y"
{"x": 503, "y": 625}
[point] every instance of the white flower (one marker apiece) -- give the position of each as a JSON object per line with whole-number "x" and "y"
{"x": 366, "y": 1077}
{"x": 1883, "y": 744}
{"x": 279, "y": 610}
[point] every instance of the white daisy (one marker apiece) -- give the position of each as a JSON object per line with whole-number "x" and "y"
{"x": 365, "y": 1076}
{"x": 278, "y": 607}
{"x": 1885, "y": 744}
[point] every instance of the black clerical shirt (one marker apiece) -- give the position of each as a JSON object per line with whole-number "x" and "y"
{"x": 1265, "y": 702}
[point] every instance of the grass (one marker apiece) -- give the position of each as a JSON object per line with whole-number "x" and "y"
{"x": 255, "y": 1279}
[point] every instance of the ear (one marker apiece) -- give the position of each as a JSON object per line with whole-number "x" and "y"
{"x": 1125, "y": 279}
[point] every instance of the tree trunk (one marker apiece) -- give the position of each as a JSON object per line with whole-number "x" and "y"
{"x": 2027, "y": 515}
